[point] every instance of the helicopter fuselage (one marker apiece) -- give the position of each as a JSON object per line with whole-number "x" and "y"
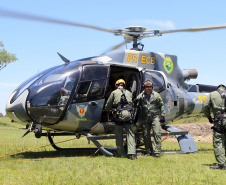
{"x": 71, "y": 97}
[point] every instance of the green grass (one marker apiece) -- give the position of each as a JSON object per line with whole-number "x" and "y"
{"x": 47, "y": 166}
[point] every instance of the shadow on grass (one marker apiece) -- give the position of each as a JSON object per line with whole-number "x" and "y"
{"x": 86, "y": 152}
{"x": 64, "y": 153}
{"x": 209, "y": 164}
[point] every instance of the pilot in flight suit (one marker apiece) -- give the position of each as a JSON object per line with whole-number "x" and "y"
{"x": 152, "y": 114}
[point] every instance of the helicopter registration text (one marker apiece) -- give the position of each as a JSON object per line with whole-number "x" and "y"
{"x": 143, "y": 59}
{"x": 202, "y": 98}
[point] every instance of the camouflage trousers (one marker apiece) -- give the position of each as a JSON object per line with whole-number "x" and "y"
{"x": 219, "y": 142}
{"x": 154, "y": 124}
{"x": 130, "y": 136}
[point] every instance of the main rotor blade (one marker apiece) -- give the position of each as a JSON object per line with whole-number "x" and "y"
{"x": 7, "y": 13}
{"x": 119, "y": 45}
{"x": 193, "y": 29}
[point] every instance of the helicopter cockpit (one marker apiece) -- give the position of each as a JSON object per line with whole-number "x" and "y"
{"x": 44, "y": 97}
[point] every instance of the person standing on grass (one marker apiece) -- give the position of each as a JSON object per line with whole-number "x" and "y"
{"x": 121, "y": 100}
{"x": 152, "y": 114}
{"x": 216, "y": 103}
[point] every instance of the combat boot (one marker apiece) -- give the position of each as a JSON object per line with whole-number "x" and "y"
{"x": 157, "y": 155}
{"x": 133, "y": 157}
{"x": 148, "y": 154}
{"x": 216, "y": 167}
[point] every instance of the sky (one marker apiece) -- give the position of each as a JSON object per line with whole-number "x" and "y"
{"x": 36, "y": 43}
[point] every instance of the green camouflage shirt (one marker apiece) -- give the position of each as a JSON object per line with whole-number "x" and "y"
{"x": 213, "y": 103}
{"x": 152, "y": 107}
{"x": 114, "y": 101}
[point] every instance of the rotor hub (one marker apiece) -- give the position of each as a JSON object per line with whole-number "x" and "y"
{"x": 136, "y": 28}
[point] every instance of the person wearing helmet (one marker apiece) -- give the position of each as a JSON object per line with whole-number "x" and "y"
{"x": 121, "y": 100}
{"x": 216, "y": 103}
{"x": 152, "y": 114}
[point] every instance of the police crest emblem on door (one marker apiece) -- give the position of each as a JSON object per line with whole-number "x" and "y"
{"x": 81, "y": 109}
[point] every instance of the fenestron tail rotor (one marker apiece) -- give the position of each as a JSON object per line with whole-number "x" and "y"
{"x": 132, "y": 33}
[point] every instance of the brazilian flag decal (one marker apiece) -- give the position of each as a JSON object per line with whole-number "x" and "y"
{"x": 168, "y": 65}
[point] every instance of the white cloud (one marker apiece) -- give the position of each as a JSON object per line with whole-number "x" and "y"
{"x": 153, "y": 23}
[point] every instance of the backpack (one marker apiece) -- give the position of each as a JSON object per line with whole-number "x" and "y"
{"x": 124, "y": 105}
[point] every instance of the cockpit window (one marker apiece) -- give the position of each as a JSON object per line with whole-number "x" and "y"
{"x": 83, "y": 89}
{"x": 157, "y": 79}
{"x": 90, "y": 90}
{"x": 97, "y": 88}
{"x": 49, "y": 95}
{"x": 93, "y": 83}
{"x": 28, "y": 82}
{"x": 94, "y": 73}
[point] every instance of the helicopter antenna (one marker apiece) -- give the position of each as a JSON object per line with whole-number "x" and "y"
{"x": 63, "y": 58}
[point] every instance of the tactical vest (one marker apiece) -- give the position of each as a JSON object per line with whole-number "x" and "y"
{"x": 124, "y": 105}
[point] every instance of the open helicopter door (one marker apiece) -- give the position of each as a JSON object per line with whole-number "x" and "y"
{"x": 85, "y": 109}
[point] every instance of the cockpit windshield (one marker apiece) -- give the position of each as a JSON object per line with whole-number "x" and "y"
{"x": 28, "y": 82}
{"x": 49, "y": 95}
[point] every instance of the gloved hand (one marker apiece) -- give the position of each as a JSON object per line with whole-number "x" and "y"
{"x": 135, "y": 101}
{"x": 162, "y": 119}
{"x": 210, "y": 119}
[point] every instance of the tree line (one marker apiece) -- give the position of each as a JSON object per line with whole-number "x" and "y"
{"x": 5, "y": 57}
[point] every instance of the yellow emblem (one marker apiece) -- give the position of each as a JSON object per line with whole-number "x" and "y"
{"x": 168, "y": 65}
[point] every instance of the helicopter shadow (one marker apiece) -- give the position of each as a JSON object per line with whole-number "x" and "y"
{"x": 58, "y": 154}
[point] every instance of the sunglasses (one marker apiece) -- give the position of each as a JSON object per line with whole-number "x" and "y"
{"x": 148, "y": 86}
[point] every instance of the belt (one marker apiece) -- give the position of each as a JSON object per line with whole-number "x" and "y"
{"x": 220, "y": 116}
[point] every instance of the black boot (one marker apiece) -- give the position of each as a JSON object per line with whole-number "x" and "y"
{"x": 157, "y": 155}
{"x": 133, "y": 157}
{"x": 215, "y": 167}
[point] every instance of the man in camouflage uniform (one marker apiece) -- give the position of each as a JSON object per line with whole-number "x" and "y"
{"x": 152, "y": 113}
{"x": 215, "y": 102}
{"x": 123, "y": 115}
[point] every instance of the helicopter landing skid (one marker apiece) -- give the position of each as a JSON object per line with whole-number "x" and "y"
{"x": 99, "y": 146}
{"x": 62, "y": 149}
{"x": 185, "y": 140}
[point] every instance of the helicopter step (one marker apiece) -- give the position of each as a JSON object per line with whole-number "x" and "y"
{"x": 185, "y": 140}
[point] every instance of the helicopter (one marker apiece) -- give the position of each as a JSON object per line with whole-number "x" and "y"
{"x": 69, "y": 99}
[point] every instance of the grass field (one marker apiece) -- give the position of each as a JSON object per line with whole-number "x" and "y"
{"x": 47, "y": 166}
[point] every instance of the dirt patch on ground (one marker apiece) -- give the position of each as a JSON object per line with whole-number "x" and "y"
{"x": 201, "y": 132}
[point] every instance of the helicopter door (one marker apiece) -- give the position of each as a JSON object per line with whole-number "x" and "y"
{"x": 88, "y": 102}
{"x": 159, "y": 81}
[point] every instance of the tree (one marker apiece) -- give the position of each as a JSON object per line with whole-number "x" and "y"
{"x": 1, "y": 115}
{"x": 5, "y": 57}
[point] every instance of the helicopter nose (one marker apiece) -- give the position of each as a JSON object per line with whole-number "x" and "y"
{"x": 16, "y": 110}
